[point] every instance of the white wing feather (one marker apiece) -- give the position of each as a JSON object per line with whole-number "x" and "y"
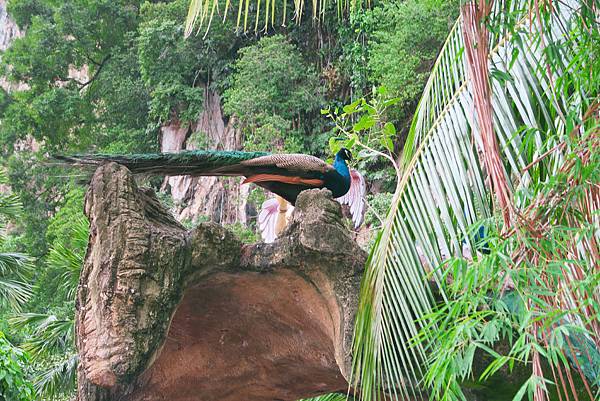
{"x": 267, "y": 219}
{"x": 355, "y": 197}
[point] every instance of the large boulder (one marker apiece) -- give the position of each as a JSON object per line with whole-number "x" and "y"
{"x": 170, "y": 314}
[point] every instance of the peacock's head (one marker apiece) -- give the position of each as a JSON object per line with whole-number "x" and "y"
{"x": 344, "y": 154}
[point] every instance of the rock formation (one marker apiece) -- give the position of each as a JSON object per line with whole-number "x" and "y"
{"x": 8, "y": 32}
{"x": 222, "y": 200}
{"x": 169, "y": 314}
{"x": 8, "y": 28}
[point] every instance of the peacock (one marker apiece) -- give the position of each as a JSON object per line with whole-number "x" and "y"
{"x": 276, "y": 212}
{"x": 283, "y": 174}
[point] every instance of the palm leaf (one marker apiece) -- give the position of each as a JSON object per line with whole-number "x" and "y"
{"x": 327, "y": 397}
{"x": 14, "y": 267}
{"x": 10, "y": 204}
{"x": 51, "y": 334}
{"x": 68, "y": 260}
{"x": 14, "y": 287}
{"x": 443, "y": 191}
{"x": 59, "y": 378}
{"x": 202, "y": 12}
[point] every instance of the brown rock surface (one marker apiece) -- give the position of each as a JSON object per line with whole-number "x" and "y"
{"x": 169, "y": 314}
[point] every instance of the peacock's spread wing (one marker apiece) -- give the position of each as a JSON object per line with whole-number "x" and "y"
{"x": 267, "y": 219}
{"x": 355, "y": 197}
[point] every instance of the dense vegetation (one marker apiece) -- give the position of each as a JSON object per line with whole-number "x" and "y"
{"x": 105, "y": 76}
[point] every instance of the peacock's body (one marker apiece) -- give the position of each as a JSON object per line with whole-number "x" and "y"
{"x": 283, "y": 174}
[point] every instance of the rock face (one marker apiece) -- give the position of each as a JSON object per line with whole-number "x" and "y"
{"x": 8, "y": 29}
{"x": 169, "y": 314}
{"x": 222, "y": 200}
{"x": 8, "y": 32}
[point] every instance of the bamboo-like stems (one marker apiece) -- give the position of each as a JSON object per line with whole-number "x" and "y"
{"x": 476, "y": 37}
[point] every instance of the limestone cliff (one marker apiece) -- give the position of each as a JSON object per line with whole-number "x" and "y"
{"x": 223, "y": 200}
{"x": 8, "y": 32}
{"x": 8, "y": 29}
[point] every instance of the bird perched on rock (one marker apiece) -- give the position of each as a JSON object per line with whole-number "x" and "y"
{"x": 283, "y": 174}
{"x": 276, "y": 212}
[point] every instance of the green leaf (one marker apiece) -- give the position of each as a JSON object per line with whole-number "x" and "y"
{"x": 501, "y": 76}
{"x": 387, "y": 143}
{"x": 366, "y": 122}
{"x": 389, "y": 129}
{"x": 351, "y": 108}
{"x": 335, "y": 144}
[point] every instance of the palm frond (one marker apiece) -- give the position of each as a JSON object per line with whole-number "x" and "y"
{"x": 328, "y": 397}
{"x": 14, "y": 292}
{"x": 59, "y": 378}
{"x": 443, "y": 191}
{"x": 14, "y": 286}
{"x": 14, "y": 266}
{"x": 10, "y": 204}
{"x": 50, "y": 334}
{"x": 68, "y": 259}
{"x": 202, "y": 12}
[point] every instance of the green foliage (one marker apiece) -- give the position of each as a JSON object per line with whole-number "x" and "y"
{"x": 4, "y": 100}
{"x": 14, "y": 385}
{"x": 363, "y": 127}
{"x": 495, "y": 297}
{"x": 71, "y": 59}
{"x": 245, "y": 234}
{"x": 51, "y": 345}
{"x": 379, "y": 204}
{"x": 67, "y": 236}
{"x": 328, "y": 397}
{"x": 442, "y": 193}
{"x": 176, "y": 71}
{"x": 271, "y": 91}
{"x": 22, "y": 11}
{"x": 70, "y": 212}
{"x": 412, "y": 32}
{"x": 15, "y": 267}
{"x": 354, "y": 43}
{"x": 51, "y": 333}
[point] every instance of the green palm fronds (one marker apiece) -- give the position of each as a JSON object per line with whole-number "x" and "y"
{"x": 14, "y": 266}
{"x": 14, "y": 287}
{"x": 328, "y": 397}
{"x": 52, "y": 346}
{"x": 443, "y": 190}
{"x": 67, "y": 260}
{"x": 50, "y": 333}
{"x": 59, "y": 378}
{"x": 266, "y": 12}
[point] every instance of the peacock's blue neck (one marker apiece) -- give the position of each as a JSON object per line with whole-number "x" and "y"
{"x": 341, "y": 167}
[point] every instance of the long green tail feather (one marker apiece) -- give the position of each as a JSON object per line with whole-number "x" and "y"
{"x": 196, "y": 162}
